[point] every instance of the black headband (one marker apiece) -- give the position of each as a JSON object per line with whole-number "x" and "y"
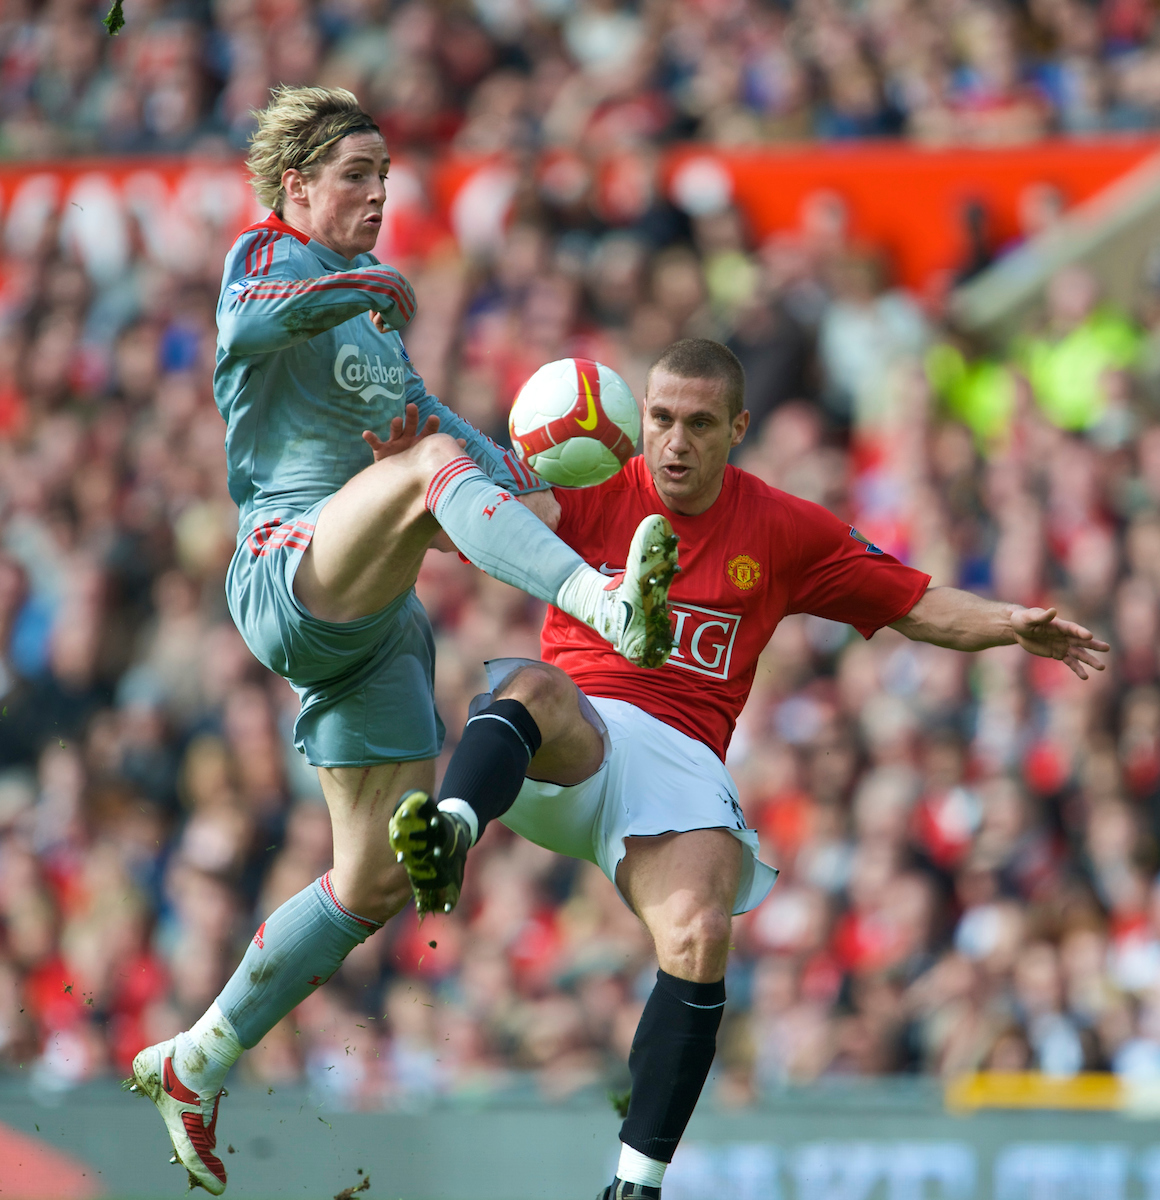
{"x": 362, "y": 124}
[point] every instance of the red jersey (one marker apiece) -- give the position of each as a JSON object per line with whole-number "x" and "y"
{"x": 755, "y": 555}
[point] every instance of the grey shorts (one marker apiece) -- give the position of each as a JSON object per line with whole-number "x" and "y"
{"x": 367, "y": 686}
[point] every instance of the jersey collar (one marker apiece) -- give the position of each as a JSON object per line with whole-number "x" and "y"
{"x": 332, "y": 260}
{"x": 329, "y": 258}
{"x": 275, "y": 222}
{"x": 727, "y": 481}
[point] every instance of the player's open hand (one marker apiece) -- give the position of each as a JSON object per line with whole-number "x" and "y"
{"x": 404, "y": 434}
{"x": 545, "y": 505}
{"x": 1040, "y": 631}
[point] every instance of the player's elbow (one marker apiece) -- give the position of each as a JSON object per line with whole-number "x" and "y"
{"x": 243, "y": 335}
{"x": 936, "y": 618}
{"x": 232, "y": 336}
{"x": 908, "y": 627}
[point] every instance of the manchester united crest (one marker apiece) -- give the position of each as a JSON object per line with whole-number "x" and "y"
{"x": 744, "y": 572}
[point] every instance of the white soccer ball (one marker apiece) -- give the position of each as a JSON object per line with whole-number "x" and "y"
{"x": 575, "y": 422}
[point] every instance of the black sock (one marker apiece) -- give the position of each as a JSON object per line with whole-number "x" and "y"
{"x": 487, "y": 768}
{"x": 670, "y": 1059}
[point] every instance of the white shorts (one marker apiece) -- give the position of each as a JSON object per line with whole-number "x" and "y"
{"x": 653, "y": 780}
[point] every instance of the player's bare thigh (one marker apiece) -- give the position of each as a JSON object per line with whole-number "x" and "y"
{"x": 572, "y": 748}
{"x": 370, "y": 538}
{"x": 683, "y": 887}
{"x": 366, "y": 878}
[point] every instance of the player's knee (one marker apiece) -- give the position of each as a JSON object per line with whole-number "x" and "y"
{"x": 542, "y": 689}
{"x": 709, "y": 930}
{"x": 435, "y": 452}
{"x": 696, "y": 935}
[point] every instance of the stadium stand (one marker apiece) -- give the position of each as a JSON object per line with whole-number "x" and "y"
{"x": 509, "y": 74}
{"x": 969, "y": 847}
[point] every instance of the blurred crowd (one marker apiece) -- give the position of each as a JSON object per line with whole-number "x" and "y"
{"x": 969, "y": 846}
{"x": 489, "y": 75}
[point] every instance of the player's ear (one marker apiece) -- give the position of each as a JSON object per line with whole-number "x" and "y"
{"x": 294, "y": 185}
{"x": 740, "y": 427}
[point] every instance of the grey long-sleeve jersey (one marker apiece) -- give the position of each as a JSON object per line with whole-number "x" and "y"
{"x": 301, "y": 372}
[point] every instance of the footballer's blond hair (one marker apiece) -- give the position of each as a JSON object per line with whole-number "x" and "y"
{"x": 296, "y": 131}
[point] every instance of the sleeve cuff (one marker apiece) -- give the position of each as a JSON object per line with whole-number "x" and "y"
{"x": 524, "y": 479}
{"x": 919, "y": 590}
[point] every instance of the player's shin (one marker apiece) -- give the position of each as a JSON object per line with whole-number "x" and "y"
{"x": 487, "y": 769}
{"x": 499, "y": 534}
{"x": 510, "y": 543}
{"x": 296, "y": 950}
{"x": 670, "y": 1059}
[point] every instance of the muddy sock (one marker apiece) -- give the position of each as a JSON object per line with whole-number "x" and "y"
{"x": 296, "y": 949}
{"x": 204, "y": 1055}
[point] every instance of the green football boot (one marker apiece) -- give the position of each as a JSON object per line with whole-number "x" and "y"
{"x": 432, "y": 845}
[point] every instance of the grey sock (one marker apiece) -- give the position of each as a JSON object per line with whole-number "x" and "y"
{"x": 296, "y": 949}
{"x": 497, "y": 533}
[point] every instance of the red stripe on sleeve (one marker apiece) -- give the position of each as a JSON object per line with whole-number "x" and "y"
{"x": 254, "y": 293}
{"x": 270, "y": 254}
{"x": 348, "y": 278}
{"x": 386, "y": 285}
{"x": 255, "y": 250}
{"x": 400, "y": 302}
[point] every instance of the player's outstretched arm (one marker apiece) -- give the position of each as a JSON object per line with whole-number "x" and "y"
{"x": 946, "y": 616}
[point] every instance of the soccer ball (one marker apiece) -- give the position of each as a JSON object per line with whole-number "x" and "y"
{"x": 574, "y": 422}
